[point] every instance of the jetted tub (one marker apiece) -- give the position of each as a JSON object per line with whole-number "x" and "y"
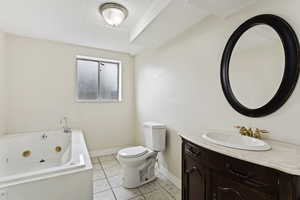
{"x": 49, "y": 165}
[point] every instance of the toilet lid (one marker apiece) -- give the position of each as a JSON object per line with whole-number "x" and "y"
{"x": 133, "y": 152}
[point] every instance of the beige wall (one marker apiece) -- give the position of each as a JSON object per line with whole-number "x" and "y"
{"x": 3, "y": 67}
{"x": 179, "y": 85}
{"x": 41, "y": 90}
{"x": 250, "y": 78}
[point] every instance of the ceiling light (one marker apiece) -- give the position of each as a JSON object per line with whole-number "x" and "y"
{"x": 113, "y": 13}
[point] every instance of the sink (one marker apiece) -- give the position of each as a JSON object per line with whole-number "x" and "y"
{"x": 236, "y": 141}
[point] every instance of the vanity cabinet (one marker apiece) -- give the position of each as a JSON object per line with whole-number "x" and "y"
{"x": 208, "y": 175}
{"x": 195, "y": 185}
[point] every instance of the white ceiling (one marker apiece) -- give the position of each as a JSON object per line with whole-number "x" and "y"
{"x": 175, "y": 19}
{"x": 150, "y": 22}
{"x": 223, "y": 8}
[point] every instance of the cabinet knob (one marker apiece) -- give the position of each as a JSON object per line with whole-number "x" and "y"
{"x": 214, "y": 196}
{"x": 194, "y": 168}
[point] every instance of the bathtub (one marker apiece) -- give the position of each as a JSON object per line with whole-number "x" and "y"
{"x": 49, "y": 165}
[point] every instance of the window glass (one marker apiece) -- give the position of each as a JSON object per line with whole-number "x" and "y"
{"x": 98, "y": 80}
{"x": 87, "y": 72}
{"x": 109, "y": 81}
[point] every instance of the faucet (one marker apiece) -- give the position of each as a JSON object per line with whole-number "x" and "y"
{"x": 64, "y": 123}
{"x": 44, "y": 136}
{"x": 250, "y": 133}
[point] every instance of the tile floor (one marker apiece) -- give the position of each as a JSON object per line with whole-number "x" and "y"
{"x": 107, "y": 184}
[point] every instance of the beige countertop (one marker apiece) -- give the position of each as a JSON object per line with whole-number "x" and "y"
{"x": 283, "y": 156}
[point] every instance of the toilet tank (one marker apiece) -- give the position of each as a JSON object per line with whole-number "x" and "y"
{"x": 155, "y": 136}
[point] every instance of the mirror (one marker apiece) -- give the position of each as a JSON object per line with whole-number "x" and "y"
{"x": 260, "y": 65}
{"x": 257, "y": 66}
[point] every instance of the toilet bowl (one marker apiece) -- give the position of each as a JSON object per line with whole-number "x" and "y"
{"x": 138, "y": 165}
{"x": 138, "y": 162}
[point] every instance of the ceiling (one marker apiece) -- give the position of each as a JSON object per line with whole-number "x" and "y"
{"x": 150, "y": 22}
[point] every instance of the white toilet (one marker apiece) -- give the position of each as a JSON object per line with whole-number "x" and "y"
{"x": 138, "y": 162}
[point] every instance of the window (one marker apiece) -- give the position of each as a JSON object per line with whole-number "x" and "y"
{"x": 98, "y": 80}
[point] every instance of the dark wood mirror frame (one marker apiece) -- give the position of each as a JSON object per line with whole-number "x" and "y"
{"x": 291, "y": 71}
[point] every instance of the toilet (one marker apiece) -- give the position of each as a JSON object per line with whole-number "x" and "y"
{"x": 138, "y": 162}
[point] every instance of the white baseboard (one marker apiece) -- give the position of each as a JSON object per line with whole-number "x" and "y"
{"x": 105, "y": 152}
{"x": 176, "y": 181}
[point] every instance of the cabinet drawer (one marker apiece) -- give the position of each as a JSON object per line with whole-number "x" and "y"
{"x": 224, "y": 188}
{"x": 251, "y": 174}
{"x": 194, "y": 151}
{"x": 255, "y": 176}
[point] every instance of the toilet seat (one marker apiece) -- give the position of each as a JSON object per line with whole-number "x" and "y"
{"x": 133, "y": 152}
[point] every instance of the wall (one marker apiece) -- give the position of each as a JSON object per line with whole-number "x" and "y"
{"x": 250, "y": 78}
{"x": 179, "y": 85}
{"x": 41, "y": 80}
{"x": 3, "y": 85}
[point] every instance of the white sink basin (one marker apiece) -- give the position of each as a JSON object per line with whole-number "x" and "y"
{"x": 236, "y": 141}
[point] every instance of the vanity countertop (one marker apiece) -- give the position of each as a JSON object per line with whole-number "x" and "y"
{"x": 283, "y": 156}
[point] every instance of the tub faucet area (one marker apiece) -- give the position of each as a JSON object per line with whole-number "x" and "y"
{"x": 65, "y": 126}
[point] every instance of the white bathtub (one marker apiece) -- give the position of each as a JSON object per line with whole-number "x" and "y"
{"x": 50, "y": 165}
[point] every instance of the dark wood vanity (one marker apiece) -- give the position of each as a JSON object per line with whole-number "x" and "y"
{"x": 208, "y": 175}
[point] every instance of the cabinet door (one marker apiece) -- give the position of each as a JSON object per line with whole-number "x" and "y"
{"x": 227, "y": 189}
{"x": 194, "y": 182}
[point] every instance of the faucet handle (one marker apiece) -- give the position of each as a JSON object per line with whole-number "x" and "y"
{"x": 63, "y": 120}
{"x": 258, "y": 133}
{"x": 237, "y": 127}
{"x": 264, "y": 131}
{"x": 244, "y": 131}
{"x": 240, "y": 127}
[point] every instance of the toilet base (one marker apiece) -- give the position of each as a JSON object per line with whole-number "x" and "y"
{"x": 135, "y": 176}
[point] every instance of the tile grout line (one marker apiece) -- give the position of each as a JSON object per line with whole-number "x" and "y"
{"x": 106, "y": 177}
{"x": 100, "y": 179}
{"x": 166, "y": 190}
{"x": 141, "y": 193}
{"x": 161, "y": 187}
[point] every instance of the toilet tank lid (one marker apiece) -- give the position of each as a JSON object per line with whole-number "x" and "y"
{"x": 154, "y": 125}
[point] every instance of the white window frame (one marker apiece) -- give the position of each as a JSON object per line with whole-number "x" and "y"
{"x": 99, "y": 100}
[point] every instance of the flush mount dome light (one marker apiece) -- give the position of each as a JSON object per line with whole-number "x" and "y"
{"x": 113, "y": 13}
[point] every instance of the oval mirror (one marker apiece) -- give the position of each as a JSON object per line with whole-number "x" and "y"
{"x": 260, "y": 66}
{"x": 258, "y": 52}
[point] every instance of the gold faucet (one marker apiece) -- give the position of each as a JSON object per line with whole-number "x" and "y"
{"x": 250, "y": 133}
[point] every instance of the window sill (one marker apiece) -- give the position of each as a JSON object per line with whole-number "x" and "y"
{"x": 99, "y": 101}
